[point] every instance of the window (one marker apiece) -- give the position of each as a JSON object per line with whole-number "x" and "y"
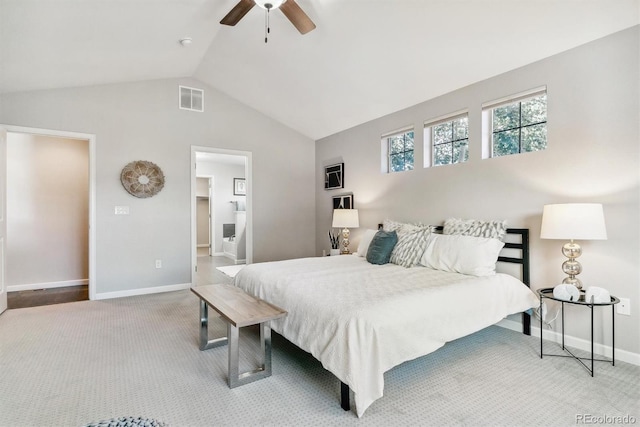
{"x": 519, "y": 126}
{"x": 447, "y": 140}
{"x": 400, "y": 151}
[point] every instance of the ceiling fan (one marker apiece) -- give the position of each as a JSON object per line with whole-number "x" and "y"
{"x": 290, "y": 8}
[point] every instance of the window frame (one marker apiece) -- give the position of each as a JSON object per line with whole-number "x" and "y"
{"x": 387, "y": 150}
{"x": 429, "y": 139}
{"x": 487, "y": 121}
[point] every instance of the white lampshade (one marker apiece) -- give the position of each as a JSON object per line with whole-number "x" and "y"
{"x": 347, "y": 218}
{"x": 573, "y": 221}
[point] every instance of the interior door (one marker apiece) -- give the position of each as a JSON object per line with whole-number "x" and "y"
{"x": 3, "y": 215}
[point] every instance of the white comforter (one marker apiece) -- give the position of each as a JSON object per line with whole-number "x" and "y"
{"x": 360, "y": 320}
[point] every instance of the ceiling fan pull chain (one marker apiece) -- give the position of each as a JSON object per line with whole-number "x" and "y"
{"x": 267, "y": 29}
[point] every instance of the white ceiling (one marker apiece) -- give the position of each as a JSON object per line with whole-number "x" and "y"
{"x": 365, "y": 59}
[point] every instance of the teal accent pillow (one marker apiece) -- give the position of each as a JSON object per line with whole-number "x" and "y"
{"x": 381, "y": 246}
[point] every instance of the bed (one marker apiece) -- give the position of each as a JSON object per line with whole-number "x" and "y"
{"x": 361, "y": 319}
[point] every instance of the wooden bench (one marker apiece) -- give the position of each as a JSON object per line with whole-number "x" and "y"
{"x": 237, "y": 309}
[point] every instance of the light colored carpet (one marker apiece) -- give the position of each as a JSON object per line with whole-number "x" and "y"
{"x": 77, "y": 363}
{"x": 230, "y": 270}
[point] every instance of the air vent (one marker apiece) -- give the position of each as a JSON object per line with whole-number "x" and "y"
{"x": 191, "y": 99}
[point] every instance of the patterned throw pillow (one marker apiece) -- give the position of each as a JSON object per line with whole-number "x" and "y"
{"x": 401, "y": 227}
{"x": 475, "y": 228}
{"x": 410, "y": 247}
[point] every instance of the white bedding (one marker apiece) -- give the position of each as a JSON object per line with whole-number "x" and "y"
{"x": 360, "y": 320}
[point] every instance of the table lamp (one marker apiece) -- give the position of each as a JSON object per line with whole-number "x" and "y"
{"x": 573, "y": 221}
{"x": 345, "y": 219}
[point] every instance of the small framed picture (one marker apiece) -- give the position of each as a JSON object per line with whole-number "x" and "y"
{"x": 239, "y": 187}
{"x": 334, "y": 176}
{"x": 344, "y": 201}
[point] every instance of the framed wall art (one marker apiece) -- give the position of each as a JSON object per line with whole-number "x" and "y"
{"x": 334, "y": 176}
{"x": 343, "y": 201}
{"x": 239, "y": 187}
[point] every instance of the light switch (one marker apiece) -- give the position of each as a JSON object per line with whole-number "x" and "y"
{"x": 122, "y": 210}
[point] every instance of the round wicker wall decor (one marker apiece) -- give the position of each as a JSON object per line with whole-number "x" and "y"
{"x": 142, "y": 178}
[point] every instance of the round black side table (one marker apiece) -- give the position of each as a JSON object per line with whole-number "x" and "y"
{"x": 548, "y": 294}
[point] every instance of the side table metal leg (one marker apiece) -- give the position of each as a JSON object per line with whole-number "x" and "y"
{"x": 562, "y": 325}
{"x": 613, "y": 336}
{"x": 540, "y": 312}
{"x": 592, "y": 339}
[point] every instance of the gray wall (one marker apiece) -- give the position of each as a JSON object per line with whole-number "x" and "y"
{"x": 141, "y": 121}
{"x": 592, "y": 156}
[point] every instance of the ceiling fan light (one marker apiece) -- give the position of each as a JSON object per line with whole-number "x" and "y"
{"x": 274, "y": 4}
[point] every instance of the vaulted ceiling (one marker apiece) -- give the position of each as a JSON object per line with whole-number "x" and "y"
{"x": 365, "y": 59}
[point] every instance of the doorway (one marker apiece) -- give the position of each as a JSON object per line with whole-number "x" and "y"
{"x": 228, "y": 175}
{"x": 50, "y": 206}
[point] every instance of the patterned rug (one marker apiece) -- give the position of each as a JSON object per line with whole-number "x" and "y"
{"x": 128, "y": 422}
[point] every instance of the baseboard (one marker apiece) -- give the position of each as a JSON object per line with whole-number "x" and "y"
{"x": 142, "y": 291}
{"x": 47, "y": 285}
{"x": 218, "y": 254}
{"x": 570, "y": 341}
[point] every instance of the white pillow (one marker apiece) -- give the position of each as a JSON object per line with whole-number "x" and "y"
{"x": 365, "y": 241}
{"x": 475, "y": 256}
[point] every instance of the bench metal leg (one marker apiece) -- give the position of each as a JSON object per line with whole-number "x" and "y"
{"x": 205, "y": 342}
{"x": 235, "y": 378}
{"x": 265, "y": 344}
{"x": 264, "y": 370}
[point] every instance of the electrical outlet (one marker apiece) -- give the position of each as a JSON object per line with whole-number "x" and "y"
{"x": 624, "y": 306}
{"x": 158, "y": 263}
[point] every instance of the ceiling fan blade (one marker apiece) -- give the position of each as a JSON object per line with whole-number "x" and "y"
{"x": 296, "y": 15}
{"x": 238, "y": 12}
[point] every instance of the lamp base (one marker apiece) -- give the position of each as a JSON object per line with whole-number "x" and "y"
{"x": 572, "y": 281}
{"x": 572, "y": 267}
{"x": 345, "y": 241}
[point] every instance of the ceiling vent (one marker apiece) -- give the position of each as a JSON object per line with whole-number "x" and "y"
{"x": 191, "y": 99}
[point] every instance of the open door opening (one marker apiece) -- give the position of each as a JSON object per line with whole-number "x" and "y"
{"x": 227, "y": 173}
{"x": 48, "y": 205}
